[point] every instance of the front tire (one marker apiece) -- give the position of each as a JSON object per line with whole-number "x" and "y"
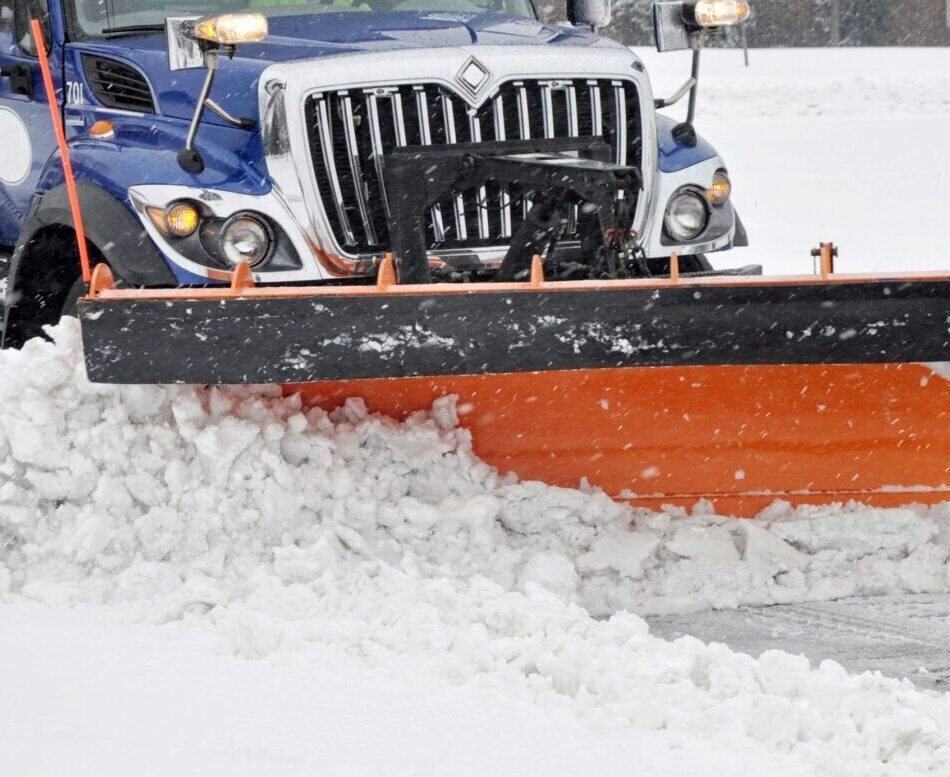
{"x": 70, "y": 304}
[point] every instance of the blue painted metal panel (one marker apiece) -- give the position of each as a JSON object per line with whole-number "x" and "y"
{"x": 675, "y": 155}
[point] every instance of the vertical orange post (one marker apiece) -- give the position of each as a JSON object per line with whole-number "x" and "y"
{"x": 826, "y": 255}
{"x": 63, "y": 149}
{"x": 674, "y": 268}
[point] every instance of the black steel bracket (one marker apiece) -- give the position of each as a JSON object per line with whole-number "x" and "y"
{"x": 21, "y": 79}
{"x": 560, "y": 171}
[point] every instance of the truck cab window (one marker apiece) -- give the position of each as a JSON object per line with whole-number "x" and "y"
{"x": 96, "y": 18}
{"x": 23, "y": 11}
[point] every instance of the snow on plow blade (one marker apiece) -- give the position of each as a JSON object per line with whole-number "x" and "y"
{"x": 740, "y": 391}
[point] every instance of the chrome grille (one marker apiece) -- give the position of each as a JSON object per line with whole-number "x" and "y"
{"x": 351, "y": 130}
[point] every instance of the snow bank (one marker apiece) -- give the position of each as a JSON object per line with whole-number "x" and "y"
{"x": 283, "y": 529}
{"x": 811, "y": 83}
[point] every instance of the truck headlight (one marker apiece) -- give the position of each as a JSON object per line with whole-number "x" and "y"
{"x": 246, "y": 239}
{"x": 718, "y": 13}
{"x": 686, "y": 216}
{"x": 230, "y": 29}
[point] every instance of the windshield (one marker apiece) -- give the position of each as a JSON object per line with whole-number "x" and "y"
{"x": 95, "y": 18}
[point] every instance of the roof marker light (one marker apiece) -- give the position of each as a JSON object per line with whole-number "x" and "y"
{"x": 232, "y": 28}
{"x": 720, "y": 13}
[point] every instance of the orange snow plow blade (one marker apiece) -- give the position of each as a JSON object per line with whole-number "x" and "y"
{"x": 740, "y": 391}
{"x": 740, "y": 437}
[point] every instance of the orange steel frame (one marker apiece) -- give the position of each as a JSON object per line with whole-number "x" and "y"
{"x": 740, "y": 437}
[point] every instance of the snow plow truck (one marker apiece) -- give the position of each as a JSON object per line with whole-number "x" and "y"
{"x": 407, "y": 199}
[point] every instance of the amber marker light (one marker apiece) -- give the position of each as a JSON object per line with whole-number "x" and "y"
{"x": 720, "y": 13}
{"x": 157, "y": 217}
{"x": 719, "y": 190}
{"x": 232, "y": 28}
{"x": 181, "y": 219}
{"x": 102, "y": 130}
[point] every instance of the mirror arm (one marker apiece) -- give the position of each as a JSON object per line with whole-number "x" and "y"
{"x": 674, "y": 98}
{"x": 694, "y": 89}
{"x": 189, "y": 158}
{"x": 685, "y": 133}
{"x": 245, "y": 124}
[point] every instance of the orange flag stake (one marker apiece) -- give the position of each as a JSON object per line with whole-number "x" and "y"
{"x": 63, "y": 149}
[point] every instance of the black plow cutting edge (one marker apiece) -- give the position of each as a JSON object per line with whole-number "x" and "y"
{"x": 324, "y": 336}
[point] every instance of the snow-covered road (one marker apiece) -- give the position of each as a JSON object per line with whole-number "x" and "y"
{"x": 899, "y": 636}
{"x": 216, "y": 583}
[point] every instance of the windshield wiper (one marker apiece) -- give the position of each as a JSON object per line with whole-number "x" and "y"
{"x": 111, "y": 32}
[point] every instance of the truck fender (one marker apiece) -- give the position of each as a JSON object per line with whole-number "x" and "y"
{"x": 45, "y": 265}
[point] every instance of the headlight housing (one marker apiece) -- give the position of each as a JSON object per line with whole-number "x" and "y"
{"x": 686, "y": 215}
{"x": 246, "y": 239}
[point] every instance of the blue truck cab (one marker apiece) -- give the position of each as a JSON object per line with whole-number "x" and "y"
{"x": 278, "y": 163}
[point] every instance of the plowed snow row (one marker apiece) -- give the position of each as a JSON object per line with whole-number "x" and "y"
{"x": 283, "y": 529}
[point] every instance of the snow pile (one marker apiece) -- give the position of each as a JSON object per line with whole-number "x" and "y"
{"x": 284, "y": 529}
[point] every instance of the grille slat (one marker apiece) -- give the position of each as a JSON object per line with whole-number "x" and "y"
{"x": 372, "y": 104}
{"x": 596, "y": 110}
{"x": 356, "y": 168}
{"x": 318, "y": 124}
{"x": 422, "y": 111}
{"x": 504, "y": 197}
{"x": 547, "y": 111}
{"x": 570, "y": 98}
{"x": 524, "y": 130}
{"x": 620, "y": 124}
{"x": 352, "y": 130}
{"x": 458, "y": 204}
{"x": 475, "y": 132}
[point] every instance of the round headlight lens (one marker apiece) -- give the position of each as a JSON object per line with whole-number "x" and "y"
{"x": 246, "y": 239}
{"x": 686, "y": 216}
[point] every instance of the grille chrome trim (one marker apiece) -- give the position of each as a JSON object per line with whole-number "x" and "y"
{"x": 475, "y": 131}
{"x": 573, "y": 130}
{"x": 305, "y": 187}
{"x": 376, "y": 139}
{"x": 620, "y": 123}
{"x": 504, "y": 197}
{"x": 356, "y": 167}
{"x": 448, "y": 115}
{"x": 326, "y": 137}
{"x": 425, "y": 135}
{"x": 375, "y": 121}
{"x": 596, "y": 108}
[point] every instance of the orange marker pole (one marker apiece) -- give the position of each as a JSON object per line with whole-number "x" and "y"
{"x": 63, "y": 149}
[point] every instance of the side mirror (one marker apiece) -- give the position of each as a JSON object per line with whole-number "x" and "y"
{"x": 589, "y": 13}
{"x": 184, "y": 50}
{"x": 669, "y": 26}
